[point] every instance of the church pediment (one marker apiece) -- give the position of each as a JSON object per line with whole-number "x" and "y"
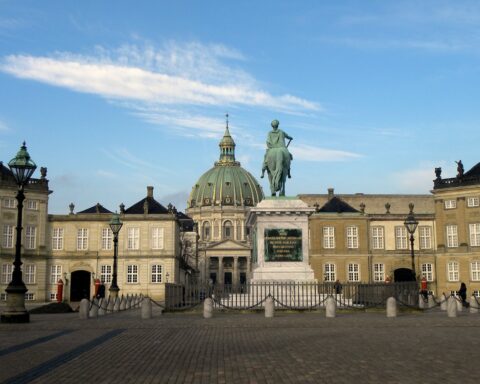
{"x": 228, "y": 244}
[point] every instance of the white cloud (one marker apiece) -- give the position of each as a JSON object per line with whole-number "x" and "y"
{"x": 3, "y": 127}
{"x": 310, "y": 153}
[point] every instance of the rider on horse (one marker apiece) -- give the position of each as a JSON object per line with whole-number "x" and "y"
{"x": 276, "y": 139}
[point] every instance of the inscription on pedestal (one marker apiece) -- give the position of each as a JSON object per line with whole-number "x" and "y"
{"x": 283, "y": 245}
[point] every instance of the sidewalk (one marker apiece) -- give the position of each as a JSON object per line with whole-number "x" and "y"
{"x": 354, "y": 347}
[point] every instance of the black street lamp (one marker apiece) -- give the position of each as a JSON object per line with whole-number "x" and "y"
{"x": 22, "y": 167}
{"x": 115, "y": 226}
{"x": 411, "y": 224}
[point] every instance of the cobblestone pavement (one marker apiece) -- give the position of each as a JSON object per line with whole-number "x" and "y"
{"x": 354, "y": 347}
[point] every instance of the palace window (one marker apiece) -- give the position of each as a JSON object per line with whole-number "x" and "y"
{"x": 227, "y": 230}
{"x": 106, "y": 274}
{"x": 29, "y": 273}
{"x": 8, "y": 236}
{"x": 107, "y": 238}
{"x": 57, "y": 239}
{"x": 132, "y": 274}
{"x": 475, "y": 270}
{"x": 401, "y": 237}
{"x": 329, "y": 272}
{"x": 9, "y": 202}
{"x": 452, "y": 236}
{"x": 474, "y": 235}
{"x": 452, "y": 271}
{"x": 379, "y": 272}
{"x": 55, "y": 273}
{"x": 29, "y": 296}
{"x": 206, "y": 231}
{"x": 378, "y": 238}
{"x": 30, "y": 237}
{"x": 450, "y": 204}
{"x": 133, "y": 235}
{"x": 32, "y": 204}
{"x": 425, "y": 235}
{"x": 157, "y": 238}
{"x": 473, "y": 202}
{"x": 7, "y": 270}
{"x": 156, "y": 273}
{"x": 427, "y": 271}
{"x": 329, "y": 237}
{"x": 82, "y": 239}
{"x": 352, "y": 237}
{"x": 353, "y": 272}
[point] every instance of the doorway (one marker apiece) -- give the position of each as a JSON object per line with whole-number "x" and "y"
{"x": 80, "y": 285}
{"x": 403, "y": 274}
{"x": 228, "y": 278}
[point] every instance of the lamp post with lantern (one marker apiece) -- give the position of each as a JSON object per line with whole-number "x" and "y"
{"x": 411, "y": 224}
{"x": 115, "y": 226}
{"x": 22, "y": 168}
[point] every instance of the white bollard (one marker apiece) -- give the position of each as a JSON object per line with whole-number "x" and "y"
{"x": 330, "y": 307}
{"x": 421, "y": 301}
{"x": 116, "y": 305}
{"x": 452, "y": 307}
{"x": 459, "y": 304}
{"x": 101, "y": 307}
{"x": 391, "y": 307}
{"x": 208, "y": 308}
{"x": 269, "y": 307}
{"x": 123, "y": 304}
{"x": 110, "y": 304}
{"x": 84, "y": 308}
{"x": 128, "y": 304}
{"x": 146, "y": 308}
{"x": 94, "y": 309}
{"x": 431, "y": 301}
{"x": 443, "y": 302}
{"x": 473, "y": 305}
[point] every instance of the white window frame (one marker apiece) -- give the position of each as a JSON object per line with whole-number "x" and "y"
{"x": 30, "y": 237}
{"x": 427, "y": 271}
{"x": 329, "y": 237}
{"x": 378, "y": 272}
{"x": 425, "y": 236}
{"x": 378, "y": 237}
{"x": 32, "y": 205}
{"x": 82, "y": 239}
{"x": 353, "y": 272}
{"x": 106, "y": 273}
{"x": 450, "y": 204}
{"x": 453, "y": 271}
{"x": 132, "y": 274}
{"x": 9, "y": 202}
{"x": 474, "y": 230}
{"x": 473, "y": 202}
{"x": 107, "y": 239}
{"x": 156, "y": 273}
{"x": 30, "y": 296}
{"x": 452, "y": 236}
{"x": 29, "y": 273}
{"x": 57, "y": 239}
{"x": 401, "y": 237}
{"x": 352, "y": 237}
{"x": 475, "y": 270}
{"x": 8, "y": 237}
{"x": 230, "y": 229}
{"x": 330, "y": 272}
{"x": 476, "y": 293}
{"x": 55, "y": 273}
{"x": 53, "y": 296}
{"x": 7, "y": 270}
{"x": 158, "y": 238}
{"x": 133, "y": 238}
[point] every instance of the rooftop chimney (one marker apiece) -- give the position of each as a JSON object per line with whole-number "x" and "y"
{"x": 330, "y": 193}
{"x": 150, "y": 191}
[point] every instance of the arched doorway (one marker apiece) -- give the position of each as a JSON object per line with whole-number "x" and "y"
{"x": 80, "y": 285}
{"x": 403, "y": 274}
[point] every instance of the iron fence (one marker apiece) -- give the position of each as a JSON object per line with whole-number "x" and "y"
{"x": 293, "y": 295}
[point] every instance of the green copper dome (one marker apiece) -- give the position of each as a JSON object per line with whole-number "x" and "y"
{"x": 227, "y": 183}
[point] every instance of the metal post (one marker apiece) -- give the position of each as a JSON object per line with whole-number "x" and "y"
{"x": 114, "y": 287}
{"x": 412, "y": 239}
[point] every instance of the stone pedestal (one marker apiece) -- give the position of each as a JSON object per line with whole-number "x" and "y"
{"x": 279, "y": 226}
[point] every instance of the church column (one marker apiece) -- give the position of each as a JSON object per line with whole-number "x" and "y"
{"x": 235, "y": 279}
{"x": 249, "y": 267}
{"x": 221, "y": 275}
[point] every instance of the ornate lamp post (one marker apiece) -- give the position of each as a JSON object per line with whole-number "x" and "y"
{"x": 411, "y": 224}
{"x": 115, "y": 226}
{"x": 22, "y": 168}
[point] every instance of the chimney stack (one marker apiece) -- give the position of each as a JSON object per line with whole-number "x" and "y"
{"x": 150, "y": 191}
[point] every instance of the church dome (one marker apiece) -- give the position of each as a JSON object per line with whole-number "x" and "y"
{"x": 227, "y": 183}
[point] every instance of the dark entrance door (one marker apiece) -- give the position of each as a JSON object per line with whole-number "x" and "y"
{"x": 80, "y": 285}
{"x": 228, "y": 278}
{"x": 213, "y": 277}
{"x": 403, "y": 274}
{"x": 243, "y": 278}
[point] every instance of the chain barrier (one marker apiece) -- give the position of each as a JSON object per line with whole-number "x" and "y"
{"x": 240, "y": 309}
{"x": 105, "y": 308}
{"x": 300, "y": 308}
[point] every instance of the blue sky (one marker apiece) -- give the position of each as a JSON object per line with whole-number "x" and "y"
{"x": 113, "y": 96}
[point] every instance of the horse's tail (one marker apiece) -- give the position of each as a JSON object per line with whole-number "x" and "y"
{"x": 277, "y": 173}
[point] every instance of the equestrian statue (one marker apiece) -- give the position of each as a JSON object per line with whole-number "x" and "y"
{"x": 277, "y": 159}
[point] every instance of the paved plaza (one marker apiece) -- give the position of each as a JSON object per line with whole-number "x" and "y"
{"x": 292, "y": 347}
